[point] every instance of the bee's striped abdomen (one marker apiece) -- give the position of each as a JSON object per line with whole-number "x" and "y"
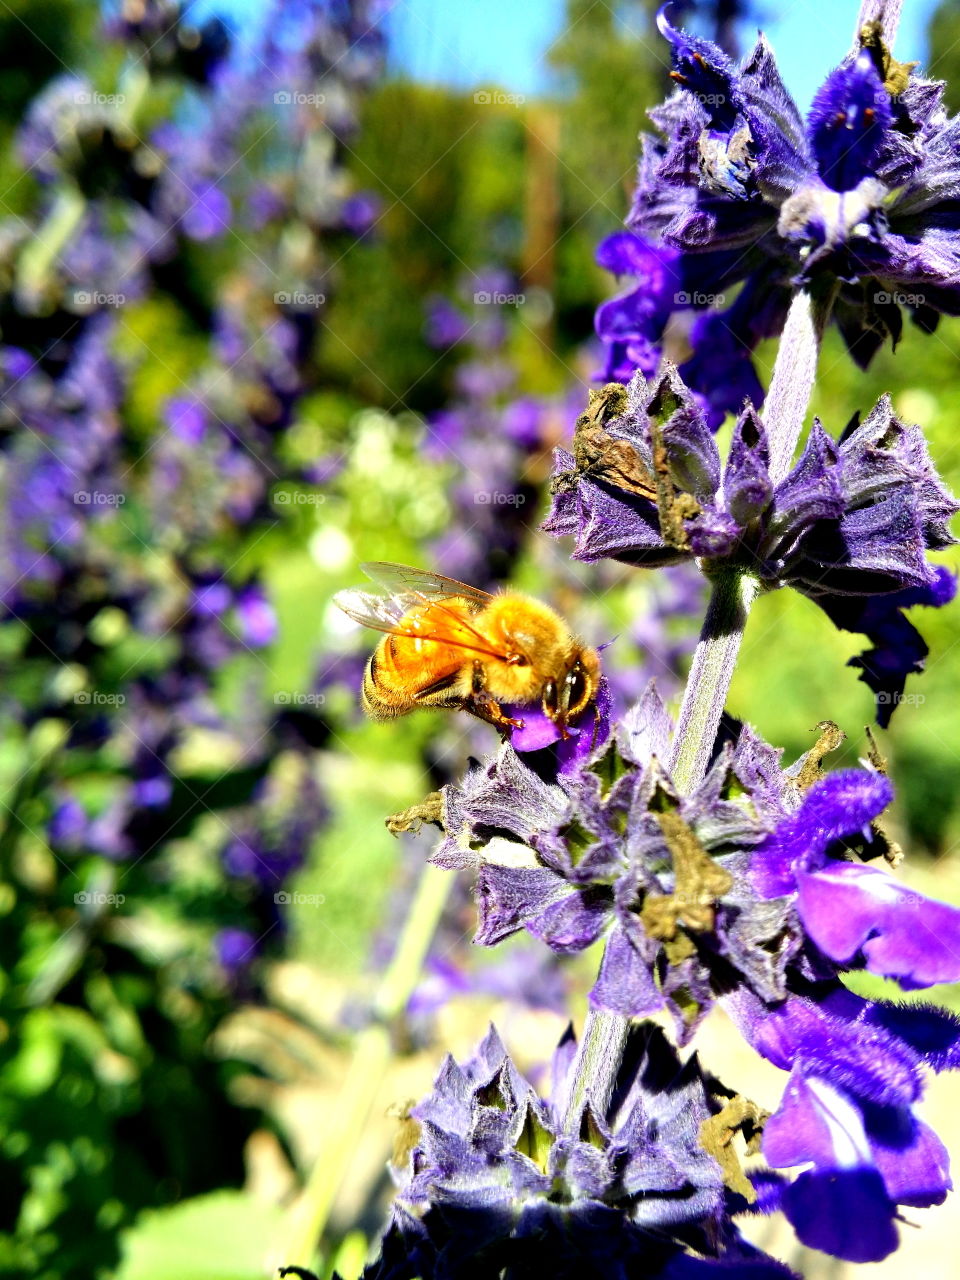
{"x": 374, "y": 686}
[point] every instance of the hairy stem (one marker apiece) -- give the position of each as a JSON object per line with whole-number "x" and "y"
{"x": 371, "y": 1056}
{"x": 597, "y": 1064}
{"x": 710, "y": 674}
{"x": 788, "y": 399}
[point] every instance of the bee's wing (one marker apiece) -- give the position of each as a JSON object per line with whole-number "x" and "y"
{"x": 381, "y": 612}
{"x": 389, "y": 613}
{"x": 402, "y": 579}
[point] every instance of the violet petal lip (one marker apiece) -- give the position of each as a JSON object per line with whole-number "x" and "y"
{"x": 903, "y": 934}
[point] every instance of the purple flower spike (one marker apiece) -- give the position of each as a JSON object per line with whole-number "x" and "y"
{"x": 739, "y": 188}
{"x": 497, "y": 1184}
{"x": 607, "y": 848}
{"x": 847, "y": 908}
{"x": 850, "y": 526}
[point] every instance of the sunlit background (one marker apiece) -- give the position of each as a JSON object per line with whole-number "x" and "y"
{"x": 285, "y": 288}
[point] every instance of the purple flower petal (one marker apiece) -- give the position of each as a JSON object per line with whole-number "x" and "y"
{"x": 847, "y": 123}
{"x": 897, "y": 648}
{"x": 912, "y": 1160}
{"x": 817, "y": 1124}
{"x": 846, "y": 1213}
{"x": 508, "y": 898}
{"x": 904, "y": 935}
{"x": 625, "y": 983}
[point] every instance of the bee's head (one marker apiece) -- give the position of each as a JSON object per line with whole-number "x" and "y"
{"x": 564, "y": 699}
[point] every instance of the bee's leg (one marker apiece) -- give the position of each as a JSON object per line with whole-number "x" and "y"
{"x": 486, "y": 708}
{"x": 480, "y": 704}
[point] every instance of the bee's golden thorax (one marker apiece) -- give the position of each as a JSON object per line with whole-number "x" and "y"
{"x": 535, "y": 635}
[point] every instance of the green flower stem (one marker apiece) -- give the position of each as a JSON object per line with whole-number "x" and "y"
{"x": 711, "y": 671}
{"x": 597, "y": 1064}
{"x": 373, "y": 1050}
{"x": 791, "y": 386}
{"x": 39, "y": 256}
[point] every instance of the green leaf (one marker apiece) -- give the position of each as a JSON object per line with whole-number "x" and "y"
{"x": 223, "y": 1236}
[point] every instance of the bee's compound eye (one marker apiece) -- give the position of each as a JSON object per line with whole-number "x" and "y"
{"x": 550, "y": 700}
{"x": 576, "y": 689}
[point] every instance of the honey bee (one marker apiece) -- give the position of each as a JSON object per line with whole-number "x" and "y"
{"x": 453, "y": 646}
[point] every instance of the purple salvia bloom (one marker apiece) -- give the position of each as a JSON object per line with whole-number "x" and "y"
{"x": 846, "y": 908}
{"x": 187, "y": 418}
{"x": 739, "y": 187}
{"x": 840, "y": 805}
{"x": 580, "y": 857}
{"x": 445, "y": 325}
{"x": 235, "y": 949}
{"x": 631, "y": 325}
{"x": 850, "y": 526}
{"x": 256, "y": 616}
{"x": 856, "y": 1071}
{"x": 848, "y": 122}
{"x": 842, "y": 1204}
{"x": 494, "y": 1178}
{"x": 584, "y": 735}
{"x": 68, "y": 825}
